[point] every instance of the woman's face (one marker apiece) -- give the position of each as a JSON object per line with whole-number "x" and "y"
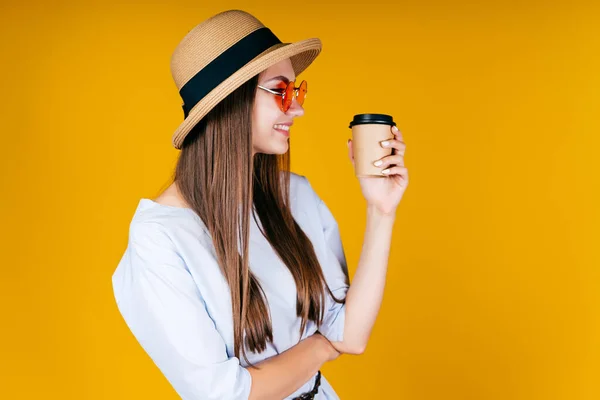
{"x": 265, "y": 138}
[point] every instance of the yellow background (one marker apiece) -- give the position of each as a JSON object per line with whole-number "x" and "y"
{"x": 493, "y": 289}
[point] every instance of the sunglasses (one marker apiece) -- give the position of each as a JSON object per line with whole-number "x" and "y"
{"x": 290, "y": 92}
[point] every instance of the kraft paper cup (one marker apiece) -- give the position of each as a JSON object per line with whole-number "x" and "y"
{"x": 368, "y": 130}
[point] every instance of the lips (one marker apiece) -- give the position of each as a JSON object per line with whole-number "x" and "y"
{"x": 286, "y": 133}
{"x": 288, "y": 124}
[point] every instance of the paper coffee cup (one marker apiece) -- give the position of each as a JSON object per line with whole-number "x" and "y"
{"x": 368, "y": 130}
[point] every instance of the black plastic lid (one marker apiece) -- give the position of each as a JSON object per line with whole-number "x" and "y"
{"x": 384, "y": 119}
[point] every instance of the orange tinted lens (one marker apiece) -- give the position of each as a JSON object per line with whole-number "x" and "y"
{"x": 279, "y": 99}
{"x": 287, "y": 99}
{"x": 301, "y": 93}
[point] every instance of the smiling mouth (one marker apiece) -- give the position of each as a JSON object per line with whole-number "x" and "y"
{"x": 283, "y": 131}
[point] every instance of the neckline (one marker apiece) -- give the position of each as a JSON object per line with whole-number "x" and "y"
{"x": 184, "y": 209}
{"x": 152, "y": 202}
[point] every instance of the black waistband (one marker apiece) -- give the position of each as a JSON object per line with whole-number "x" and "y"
{"x": 311, "y": 395}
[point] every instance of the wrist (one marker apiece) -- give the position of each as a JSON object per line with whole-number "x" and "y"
{"x": 374, "y": 212}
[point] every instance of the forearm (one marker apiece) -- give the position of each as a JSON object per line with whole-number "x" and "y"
{"x": 364, "y": 296}
{"x": 281, "y": 375}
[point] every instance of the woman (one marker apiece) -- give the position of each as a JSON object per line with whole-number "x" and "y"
{"x": 234, "y": 280}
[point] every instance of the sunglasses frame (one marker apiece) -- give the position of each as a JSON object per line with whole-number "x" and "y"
{"x": 294, "y": 93}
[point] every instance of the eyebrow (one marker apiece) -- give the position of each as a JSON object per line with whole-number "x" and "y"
{"x": 279, "y": 77}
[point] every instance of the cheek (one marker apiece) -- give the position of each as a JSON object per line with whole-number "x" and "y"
{"x": 266, "y": 114}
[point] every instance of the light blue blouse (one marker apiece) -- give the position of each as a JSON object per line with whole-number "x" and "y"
{"x": 172, "y": 295}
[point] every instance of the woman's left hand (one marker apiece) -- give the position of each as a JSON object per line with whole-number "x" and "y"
{"x": 384, "y": 193}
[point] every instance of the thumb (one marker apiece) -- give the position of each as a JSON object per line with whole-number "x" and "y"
{"x": 350, "y": 151}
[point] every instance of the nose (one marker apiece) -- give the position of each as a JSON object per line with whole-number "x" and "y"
{"x": 295, "y": 109}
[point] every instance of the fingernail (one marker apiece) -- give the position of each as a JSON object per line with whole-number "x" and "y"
{"x": 386, "y": 171}
{"x": 378, "y": 163}
{"x": 395, "y": 128}
{"x": 385, "y": 143}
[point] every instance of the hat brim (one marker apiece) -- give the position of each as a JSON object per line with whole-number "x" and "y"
{"x": 301, "y": 54}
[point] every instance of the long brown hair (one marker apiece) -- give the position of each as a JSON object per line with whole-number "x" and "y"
{"x": 220, "y": 180}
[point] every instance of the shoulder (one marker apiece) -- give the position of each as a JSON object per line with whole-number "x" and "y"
{"x": 151, "y": 240}
{"x": 153, "y": 218}
{"x": 149, "y": 248}
{"x": 159, "y": 235}
{"x": 305, "y": 201}
{"x": 303, "y": 195}
{"x": 301, "y": 188}
{"x": 296, "y": 179}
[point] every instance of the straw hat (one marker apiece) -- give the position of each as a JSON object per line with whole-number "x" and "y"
{"x": 221, "y": 53}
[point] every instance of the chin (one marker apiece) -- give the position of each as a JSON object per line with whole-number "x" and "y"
{"x": 275, "y": 147}
{"x": 279, "y": 150}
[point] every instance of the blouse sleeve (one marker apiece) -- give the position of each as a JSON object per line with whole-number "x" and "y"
{"x": 166, "y": 313}
{"x": 335, "y": 270}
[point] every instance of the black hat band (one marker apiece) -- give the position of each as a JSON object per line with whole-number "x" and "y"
{"x": 225, "y": 65}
